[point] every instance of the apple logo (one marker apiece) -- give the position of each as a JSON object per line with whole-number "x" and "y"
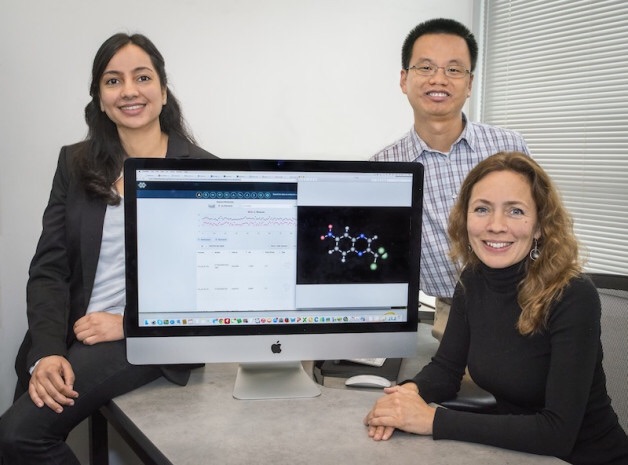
{"x": 276, "y": 348}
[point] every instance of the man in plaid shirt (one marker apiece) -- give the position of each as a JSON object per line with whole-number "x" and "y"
{"x": 438, "y": 60}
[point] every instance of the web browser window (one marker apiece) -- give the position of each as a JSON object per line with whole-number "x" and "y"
{"x": 258, "y": 248}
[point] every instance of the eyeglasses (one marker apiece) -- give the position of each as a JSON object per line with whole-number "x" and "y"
{"x": 451, "y": 71}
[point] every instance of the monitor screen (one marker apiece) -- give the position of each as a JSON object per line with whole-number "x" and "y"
{"x": 265, "y": 261}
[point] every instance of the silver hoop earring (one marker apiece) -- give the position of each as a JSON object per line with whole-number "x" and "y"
{"x": 535, "y": 252}
{"x": 469, "y": 249}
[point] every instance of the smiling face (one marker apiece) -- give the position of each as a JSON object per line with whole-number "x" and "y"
{"x": 131, "y": 93}
{"x": 437, "y": 96}
{"x": 502, "y": 219}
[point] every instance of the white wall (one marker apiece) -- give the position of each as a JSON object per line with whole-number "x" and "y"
{"x": 258, "y": 78}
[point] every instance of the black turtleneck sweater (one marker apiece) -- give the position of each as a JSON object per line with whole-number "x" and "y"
{"x": 550, "y": 387}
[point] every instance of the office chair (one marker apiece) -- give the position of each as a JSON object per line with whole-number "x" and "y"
{"x": 613, "y": 290}
{"x": 471, "y": 398}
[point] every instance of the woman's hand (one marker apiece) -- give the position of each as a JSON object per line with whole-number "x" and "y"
{"x": 99, "y": 327}
{"x": 401, "y": 408}
{"x": 52, "y": 383}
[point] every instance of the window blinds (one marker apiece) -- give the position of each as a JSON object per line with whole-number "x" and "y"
{"x": 557, "y": 72}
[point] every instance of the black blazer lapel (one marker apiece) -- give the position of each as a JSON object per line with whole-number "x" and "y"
{"x": 92, "y": 220}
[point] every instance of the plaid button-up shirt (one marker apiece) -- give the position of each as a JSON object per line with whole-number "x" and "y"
{"x": 444, "y": 173}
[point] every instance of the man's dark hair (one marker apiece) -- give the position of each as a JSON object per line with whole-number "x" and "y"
{"x": 439, "y": 26}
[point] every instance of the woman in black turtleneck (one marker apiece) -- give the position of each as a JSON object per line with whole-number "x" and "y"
{"x": 525, "y": 321}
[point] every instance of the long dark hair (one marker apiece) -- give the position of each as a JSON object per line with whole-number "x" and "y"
{"x": 101, "y": 162}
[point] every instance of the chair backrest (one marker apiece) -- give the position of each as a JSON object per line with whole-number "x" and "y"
{"x": 613, "y": 290}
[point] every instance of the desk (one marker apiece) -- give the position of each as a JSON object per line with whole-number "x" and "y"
{"x": 202, "y": 423}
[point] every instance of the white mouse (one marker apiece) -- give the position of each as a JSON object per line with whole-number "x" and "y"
{"x": 369, "y": 381}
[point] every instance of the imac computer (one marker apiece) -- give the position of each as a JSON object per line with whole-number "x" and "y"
{"x": 269, "y": 263}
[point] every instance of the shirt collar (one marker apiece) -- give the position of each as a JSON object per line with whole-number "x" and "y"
{"x": 467, "y": 136}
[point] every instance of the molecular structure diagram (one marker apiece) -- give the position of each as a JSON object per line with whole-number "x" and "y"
{"x": 345, "y": 244}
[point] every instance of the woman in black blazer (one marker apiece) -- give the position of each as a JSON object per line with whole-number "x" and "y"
{"x": 73, "y": 357}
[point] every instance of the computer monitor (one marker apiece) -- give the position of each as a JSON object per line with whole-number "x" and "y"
{"x": 269, "y": 263}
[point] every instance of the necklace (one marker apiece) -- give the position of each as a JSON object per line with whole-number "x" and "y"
{"x": 118, "y": 178}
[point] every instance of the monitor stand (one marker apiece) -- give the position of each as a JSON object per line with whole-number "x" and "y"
{"x": 275, "y": 380}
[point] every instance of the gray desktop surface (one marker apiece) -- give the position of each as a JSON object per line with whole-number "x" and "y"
{"x": 202, "y": 423}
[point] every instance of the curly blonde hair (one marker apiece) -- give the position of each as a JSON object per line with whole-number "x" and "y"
{"x": 558, "y": 261}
